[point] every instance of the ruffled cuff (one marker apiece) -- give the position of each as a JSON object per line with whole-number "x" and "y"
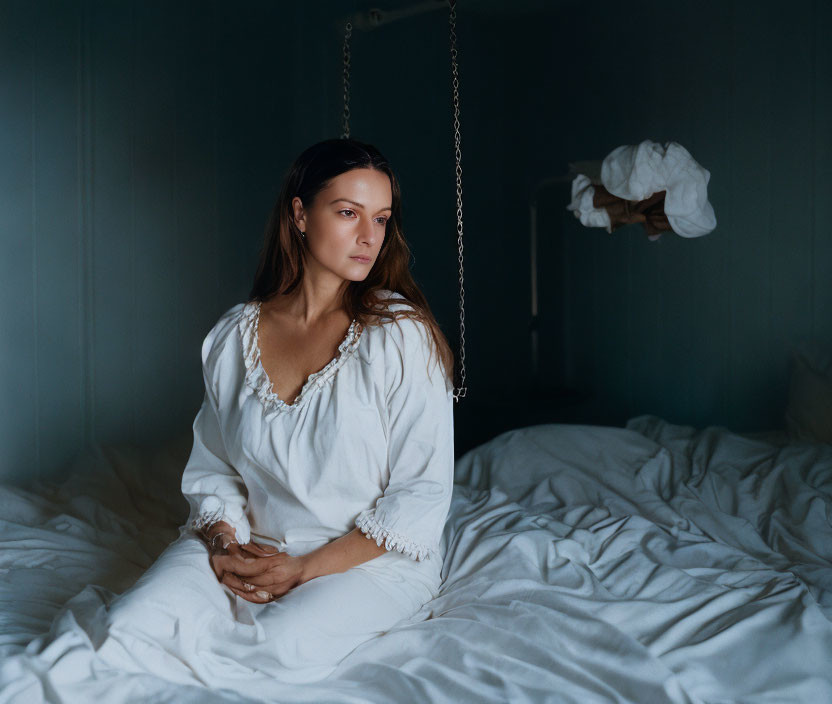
{"x": 212, "y": 509}
{"x": 367, "y": 524}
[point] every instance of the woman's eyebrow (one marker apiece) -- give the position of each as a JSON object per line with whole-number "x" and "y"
{"x": 347, "y": 200}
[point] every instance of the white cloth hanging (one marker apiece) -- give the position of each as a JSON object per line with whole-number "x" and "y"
{"x": 635, "y": 172}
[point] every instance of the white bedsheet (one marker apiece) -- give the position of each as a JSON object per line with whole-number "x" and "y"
{"x": 655, "y": 563}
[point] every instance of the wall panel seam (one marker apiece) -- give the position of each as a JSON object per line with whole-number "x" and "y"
{"x": 34, "y": 205}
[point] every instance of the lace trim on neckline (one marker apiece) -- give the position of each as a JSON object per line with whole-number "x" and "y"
{"x": 257, "y": 379}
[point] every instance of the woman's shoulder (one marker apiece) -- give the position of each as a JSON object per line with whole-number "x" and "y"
{"x": 402, "y": 335}
{"x": 394, "y": 302}
{"x": 407, "y": 346}
{"x": 387, "y": 293}
{"x": 224, "y": 330}
{"x": 397, "y": 325}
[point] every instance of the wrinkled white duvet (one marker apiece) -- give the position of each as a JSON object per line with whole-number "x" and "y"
{"x": 655, "y": 563}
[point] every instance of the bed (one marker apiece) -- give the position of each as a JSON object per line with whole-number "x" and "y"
{"x": 650, "y": 563}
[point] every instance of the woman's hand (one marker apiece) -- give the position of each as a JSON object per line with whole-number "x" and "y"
{"x": 256, "y": 572}
{"x": 219, "y": 535}
{"x": 221, "y": 539}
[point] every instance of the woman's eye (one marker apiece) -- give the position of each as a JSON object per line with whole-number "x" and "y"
{"x": 347, "y": 210}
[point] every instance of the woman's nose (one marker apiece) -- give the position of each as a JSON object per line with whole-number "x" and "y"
{"x": 368, "y": 234}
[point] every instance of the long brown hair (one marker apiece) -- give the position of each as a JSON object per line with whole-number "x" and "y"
{"x": 280, "y": 267}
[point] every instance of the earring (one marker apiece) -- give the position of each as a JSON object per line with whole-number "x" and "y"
{"x": 303, "y": 234}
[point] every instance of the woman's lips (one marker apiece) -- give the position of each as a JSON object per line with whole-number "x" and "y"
{"x": 363, "y": 260}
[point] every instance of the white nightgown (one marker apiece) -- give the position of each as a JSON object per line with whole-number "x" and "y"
{"x": 367, "y": 443}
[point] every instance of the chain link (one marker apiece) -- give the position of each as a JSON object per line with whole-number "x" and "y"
{"x": 347, "y": 36}
{"x": 461, "y": 390}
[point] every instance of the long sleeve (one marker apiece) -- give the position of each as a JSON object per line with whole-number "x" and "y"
{"x": 411, "y": 513}
{"x": 214, "y": 489}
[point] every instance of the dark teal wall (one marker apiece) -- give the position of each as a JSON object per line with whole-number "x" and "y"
{"x": 697, "y": 331}
{"x": 141, "y": 148}
{"x": 142, "y": 145}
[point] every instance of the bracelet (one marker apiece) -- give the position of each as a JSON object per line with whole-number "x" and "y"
{"x": 217, "y": 535}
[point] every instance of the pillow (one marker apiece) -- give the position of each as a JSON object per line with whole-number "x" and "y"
{"x": 809, "y": 411}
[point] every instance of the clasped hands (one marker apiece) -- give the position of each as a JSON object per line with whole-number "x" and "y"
{"x": 257, "y": 573}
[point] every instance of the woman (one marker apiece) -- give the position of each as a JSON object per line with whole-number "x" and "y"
{"x": 317, "y": 500}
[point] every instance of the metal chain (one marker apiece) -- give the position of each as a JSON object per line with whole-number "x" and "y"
{"x": 462, "y": 389}
{"x": 347, "y": 35}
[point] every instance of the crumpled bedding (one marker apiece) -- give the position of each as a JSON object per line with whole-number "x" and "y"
{"x": 652, "y": 563}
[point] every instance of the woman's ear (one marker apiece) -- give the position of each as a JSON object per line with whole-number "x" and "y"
{"x": 299, "y": 216}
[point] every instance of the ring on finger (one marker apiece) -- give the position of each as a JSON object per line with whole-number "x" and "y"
{"x": 263, "y": 595}
{"x": 248, "y": 587}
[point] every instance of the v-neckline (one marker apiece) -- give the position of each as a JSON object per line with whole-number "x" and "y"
{"x": 258, "y": 379}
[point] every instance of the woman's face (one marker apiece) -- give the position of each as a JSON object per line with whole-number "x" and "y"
{"x": 347, "y": 219}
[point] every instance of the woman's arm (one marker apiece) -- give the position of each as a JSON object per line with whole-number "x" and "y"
{"x": 410, "y": 514}
{"x": 339, "y": 555}
{"x": 214, "y": 489}
{"x": 212, "y": 486}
